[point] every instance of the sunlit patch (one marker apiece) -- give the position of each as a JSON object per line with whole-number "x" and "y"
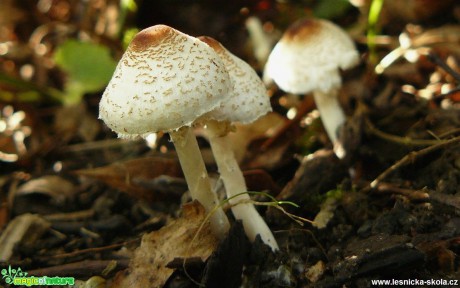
{"x": 309, "y": 118}
{"x": 163, "y": 149}
{"x": 44, "y": 5}
{"x": 5, "y": 157}
{"x": 151, "y": 140}
{"x": 27, "y": 71}
{"x": 283, "y": 101}
{"x": 12, "y": 131}
{"x": 409, "y": 89}
{"x": 244, "y": 11}
{"x": 41, "y": 49}
{"x": 4, "y": 48}
{"x": 57, "y": 167}
{"x": 291, "y": 113}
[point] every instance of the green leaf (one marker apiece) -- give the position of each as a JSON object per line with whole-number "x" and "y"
{"x": 128, "y": 36}
{"x": 129, "y": 5}
{"x": 89, "y": 67}
{"x": 331, "y": 8}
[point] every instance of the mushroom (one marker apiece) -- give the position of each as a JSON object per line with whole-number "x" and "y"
{"x": 308, "y": 58}
{"x": 248, "y": 101}
{"x": 165, "y": 81}
{"x": 261, "y": 41}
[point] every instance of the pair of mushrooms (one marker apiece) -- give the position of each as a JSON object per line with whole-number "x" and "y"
{"x": 308, "y": 58}
{"x": 169, "y": 81}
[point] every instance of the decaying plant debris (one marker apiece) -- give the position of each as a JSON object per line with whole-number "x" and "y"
{"x": 76, "y": 201}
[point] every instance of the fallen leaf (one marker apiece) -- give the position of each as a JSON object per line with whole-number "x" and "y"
{"x": 76, "y": 120}
{"x": 315, "y": 272}
{"x": 23, "y": 229}
{"x": 182, "y": 238}
{"x": 58, "y": 189}
{"x": 245, "y": 134}
{"x": 260, "y": 180}
{"x": 130, "y": 176}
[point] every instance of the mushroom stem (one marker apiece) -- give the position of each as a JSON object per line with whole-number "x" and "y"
{"x": 197, "y": 178}
{"x": 332, "y": 116}
{"x": 234, "y": 183}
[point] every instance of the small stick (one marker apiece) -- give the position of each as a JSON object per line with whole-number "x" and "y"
{"x": 438, "y": 61}
{"x": 399, "y": 139}
{"x": 413, "y": 195}
{"x": 79, "y": 269}
{"x": 93, "y": 250}
{"x": 411, "y": 157}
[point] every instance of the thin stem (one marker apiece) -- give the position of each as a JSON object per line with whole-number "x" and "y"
{"x": 235, "y": 184}
{"x": 411, "y": 157}
{"x": 50, "y": 93}
{"x": 197, "y": 178}
{"x": 401, "y": 140}
{"x": 433, "y": 57}
{"x": 332, "y": 116}
{"x": 374, "y": 15}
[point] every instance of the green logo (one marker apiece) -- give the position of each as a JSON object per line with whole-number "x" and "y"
{"x": 9, "y": 274}
{"x": 18, "y": 277}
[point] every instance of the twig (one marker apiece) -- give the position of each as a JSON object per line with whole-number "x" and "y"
{"x": 79, "y": 269}
{"x": 93, "y": 250}
{"x": 51, "y": 93}
{"x": 71, "y": 216}
{"x": 448, "y": 93}
{"x": 401, "y": 140}
{"x": 445, "y": 199}
{"x": 450, "y": 132}
{"x": 413, "y": 195}
{"x": 411, "y": 157}
{"x": 306, "y": 231}
{"x": 437, "y": 60}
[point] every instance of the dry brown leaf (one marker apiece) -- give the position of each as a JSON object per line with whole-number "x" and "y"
{"x": 126, "y": 175}
{"x": 76, "y": 120}
{"x": 55, "y": 187}
{"x": 157, "y": 249}
{"x": 24, "y": 229}
{"x": 260, "y": 180}
{"x": 245, "y": 134}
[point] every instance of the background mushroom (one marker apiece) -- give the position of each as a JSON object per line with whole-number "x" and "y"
{"x": 308, "y": 58}
{"x": 248, "y": 101}
{"x": 165, "y": 81}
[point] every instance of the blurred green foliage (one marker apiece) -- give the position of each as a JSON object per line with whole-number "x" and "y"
{"x": 330, "y": 9}
{"x": 89, "y": 68}
{"x": 128, "y": 36}
{"x": 126, "y": 7}
{"x": 372, "y": 29}
{"x": 26, "y": 91}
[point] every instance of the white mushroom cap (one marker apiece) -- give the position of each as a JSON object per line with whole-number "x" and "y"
{"x": 249, "y": 99}
{"x": 165, "y": 80}
{"x": 309, "y": 55}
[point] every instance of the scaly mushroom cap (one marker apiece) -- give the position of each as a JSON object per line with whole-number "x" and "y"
{"x": 165, "y": 80}
{"x": 309, "y": 55}
{"x": 249, "y": 99}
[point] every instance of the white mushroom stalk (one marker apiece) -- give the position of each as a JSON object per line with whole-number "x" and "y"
{"x": 165, "y": 81}
{"x": 248, "y": 101}
{"x": 262, "y": 43}
{"x": 332, "y": 117}
{"x": 308, "y": 58}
